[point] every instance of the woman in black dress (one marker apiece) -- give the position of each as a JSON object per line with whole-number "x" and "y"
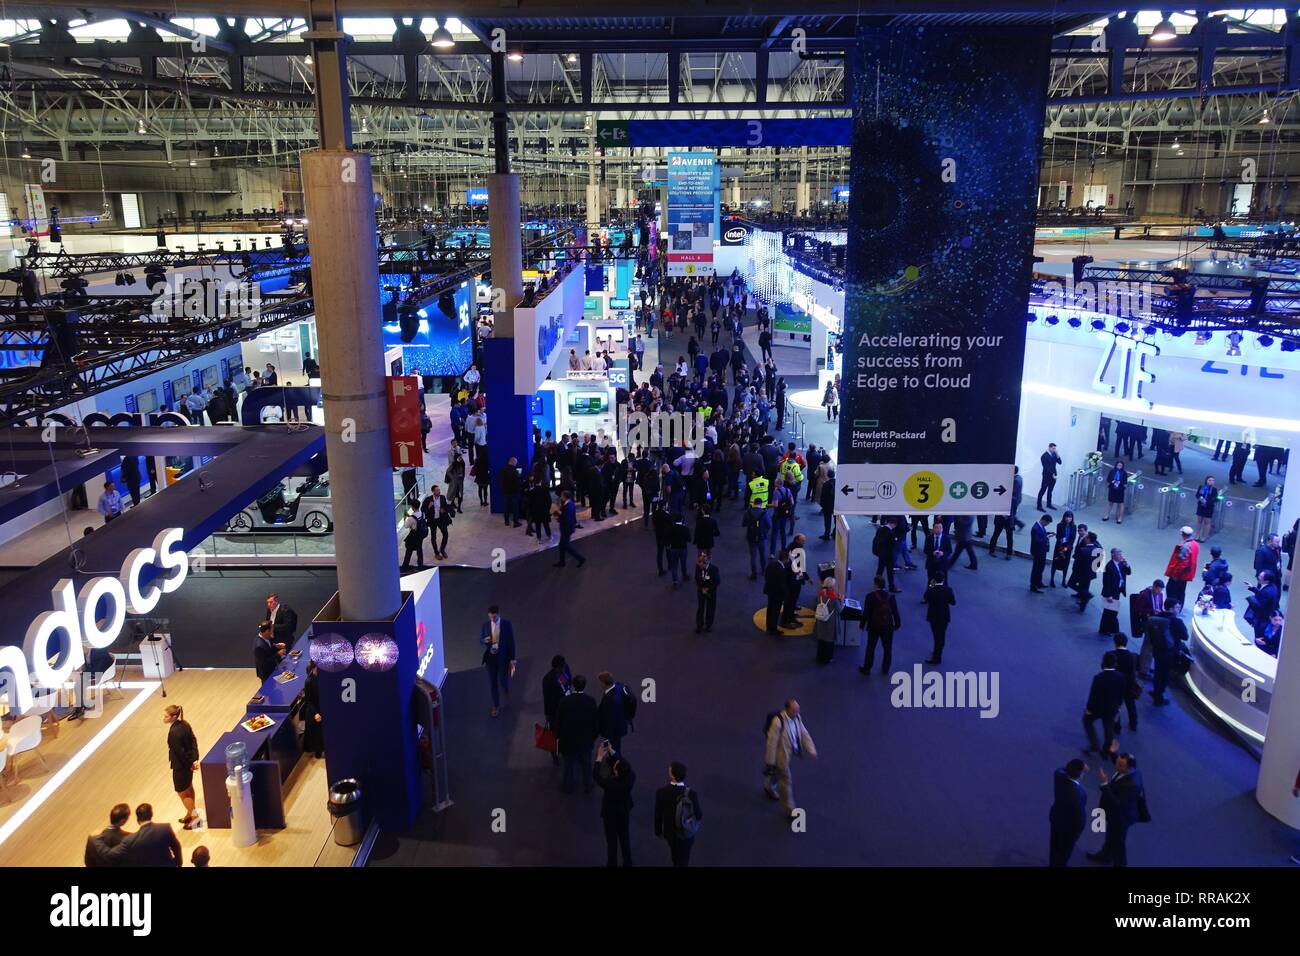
{"x": 313, "y": 734}
{"x": 1081, "y": 541}
{"x": 1066, "y": 533}
{"x": 183, "y": 756}
{"x": 1116, "y": 485}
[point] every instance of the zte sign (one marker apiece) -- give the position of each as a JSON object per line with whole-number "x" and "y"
{"x": 96, "y": 614}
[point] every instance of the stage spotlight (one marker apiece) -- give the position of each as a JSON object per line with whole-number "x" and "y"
{"x": 1288, "y": 345}
{"x": 1150, "y": 330}
{"x": 1164, "y": 31}
{"x": 1121, "y": 327}
{"x": 1030, "y": 317}
{"x": 1264, "y": 341}
{"x": 1234, "y": 343}
{"x": 1175, "y": 333}
{"x": 1099, "y": 325}
{"x": 1203, "y": 338}
{"x": 1074, "y": 322}
{"x": 1052, "y": 319}
{"x": 408, "y": 322}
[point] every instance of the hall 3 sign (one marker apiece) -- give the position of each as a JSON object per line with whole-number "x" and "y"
{"x": 52, "y": 652}
{"x": 1122, "y": 369}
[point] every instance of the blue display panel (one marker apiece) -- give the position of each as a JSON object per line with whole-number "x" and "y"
{"x": 443, "y": 344}
{"x": 946, "y": 148}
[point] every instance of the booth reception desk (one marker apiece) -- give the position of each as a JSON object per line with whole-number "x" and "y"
{"x": 1229, "y": 674}
{"x": 272, "y": 752}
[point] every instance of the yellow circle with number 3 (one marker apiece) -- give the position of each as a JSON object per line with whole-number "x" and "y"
{"x": 923, "y": 489}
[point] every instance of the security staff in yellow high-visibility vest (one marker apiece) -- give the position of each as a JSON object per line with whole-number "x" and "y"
{"x": 758, "y": 489}
{"x": 792, "y": 475}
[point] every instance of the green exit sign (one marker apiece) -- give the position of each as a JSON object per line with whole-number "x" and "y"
{"x": 611, "y": 132}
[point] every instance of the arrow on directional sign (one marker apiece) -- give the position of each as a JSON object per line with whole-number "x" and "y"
{"x": 847, "y": 489}
{"x": 1000, "y": 490}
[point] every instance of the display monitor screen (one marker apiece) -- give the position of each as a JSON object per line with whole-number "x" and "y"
{"x": 588, "y": 403}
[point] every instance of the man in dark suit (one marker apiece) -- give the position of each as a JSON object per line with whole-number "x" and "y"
{"x": 555, "y": 686}
{"x": 109, "y": 837}
{"x": 1039, "y": 545}
{"x": 938, "y": 551}
{"x": 774, "y": 588}
{"x": 707, "y": 580}
{"x": 1126, "y": 664}
{"x": 666, "y": 800}
{"x": 1123, "y": 799}
{"x": 267, "y": 651}
{"x": 1146, "y": 603}
{"x": 615, "y": 777}
{"x": 795, "y": 576}
{"x": 1114, "y": 585}
{"x": 611, "y": 712}
{"x": 1268, "y": 557}
{"x": 498, "y": 640}
{"x": 153, "y": 844}
{"x": 1069, "y": 813}
{"x": 284, "y": 620}
{"x": 1104, "y": 699}
{"x": 1050, "y": 460}
{"x": 575, "y": 732}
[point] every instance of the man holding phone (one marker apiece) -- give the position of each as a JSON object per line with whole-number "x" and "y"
{"x": 498, "y": 640}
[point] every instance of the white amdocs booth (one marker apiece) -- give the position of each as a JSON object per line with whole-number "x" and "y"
{"x": 1074, "y": 374}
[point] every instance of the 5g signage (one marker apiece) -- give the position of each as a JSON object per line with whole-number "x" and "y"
{"x": 96, "y": 614}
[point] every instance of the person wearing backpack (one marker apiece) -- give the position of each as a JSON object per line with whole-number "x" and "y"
{"x": 678, "y": 814}
{"x": 880, "y": 620}
{"x": 757, "y": 523}
{"x": 826, "y": 620}
{"x": 616, "y": 710}
{"x": 785, "y": 738}
{"x": 416, "y": 529}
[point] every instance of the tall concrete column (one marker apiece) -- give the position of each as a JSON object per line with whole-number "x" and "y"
{"x": 345, "y": 284}
{"x": 1281, "y": 760}
{"x": 509, "y": 421}
{"x": 368, "y": 710}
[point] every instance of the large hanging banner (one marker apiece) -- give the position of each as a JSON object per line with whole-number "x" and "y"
{"x": 947, "y": 134}
{"x": 692, "y": 212}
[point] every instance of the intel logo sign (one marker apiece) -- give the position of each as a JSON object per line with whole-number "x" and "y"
{"x": 735, "y": 234}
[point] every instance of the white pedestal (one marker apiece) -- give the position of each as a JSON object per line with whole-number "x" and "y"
{"x": 243, "y": 829}
{"x": 156, "y": 656}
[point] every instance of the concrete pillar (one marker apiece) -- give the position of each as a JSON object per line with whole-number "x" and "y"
{"x": 1281, "y": 759}
{"x": 509, "y": 421}
{"x": 337, "y": 191}
{"x": 734, "y": 201}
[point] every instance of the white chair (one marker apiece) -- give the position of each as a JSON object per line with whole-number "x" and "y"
{"x": 108, "y": 677}
{"x": 4, "y": 784}
{"x": 25, "y": 735}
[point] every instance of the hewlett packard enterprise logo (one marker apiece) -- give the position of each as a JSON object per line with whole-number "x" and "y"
{"x": 75, "y": 909}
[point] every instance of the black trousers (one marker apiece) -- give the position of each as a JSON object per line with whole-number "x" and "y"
{"x": 967, "y": 547}
{"x": 886, "y": 640}
{"x": 418, "y": 551}
{"x": 922, "y": 522}
{"x": 773, "y": 612}
{"x": 706, "y": 606}
{"x": 1001, "y": 524}
{"x": 1175, "y": 592}
{"x": 1036, "y": 572}
{"x": 1114, "y": 849}
{"x": 828, "y": 522}
{"x": 1108, "y": 729}
{"x": 885, "y": 569}
{"x": 1161, "y": 668}
{"x": 617, "y": 834}
{"x": 939, "y": 629}
{"x": 1046, "y": 489}
{"x": 1061, "y": 846}
{"x": 681, "y": 851}
{"x": 577, "y": 766}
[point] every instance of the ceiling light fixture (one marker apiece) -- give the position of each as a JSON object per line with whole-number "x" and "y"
{"x": 27, "y": 153}
{"x": 139, "y": 128}
{"x": 442, "y": 38}
{"x": 1164, "y": 31}
{"x": 307, "y": 59}
{"x": 1264, "y": 120}
{"x": 515, "y": 56}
